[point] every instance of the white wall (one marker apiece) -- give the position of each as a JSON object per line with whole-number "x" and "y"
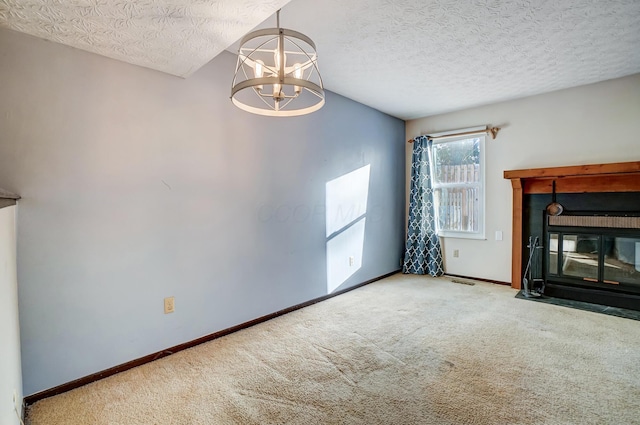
{"x": 10, "y": 372}
{"x": 597, "y": 123}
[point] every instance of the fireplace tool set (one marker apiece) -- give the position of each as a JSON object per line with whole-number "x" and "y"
{"x": 532, "y": 283}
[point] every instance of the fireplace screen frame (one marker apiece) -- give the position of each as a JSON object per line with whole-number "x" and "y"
{"x": 601, "y": 233}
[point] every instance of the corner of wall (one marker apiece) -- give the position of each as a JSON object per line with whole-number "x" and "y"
{"x": 10, "y": 367}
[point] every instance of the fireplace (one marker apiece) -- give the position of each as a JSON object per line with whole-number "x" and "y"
{"x": 593, "y": 258}
{"x": 591, "y": 252}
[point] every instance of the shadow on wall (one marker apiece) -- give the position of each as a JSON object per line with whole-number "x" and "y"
{"x": 346, "y": 210}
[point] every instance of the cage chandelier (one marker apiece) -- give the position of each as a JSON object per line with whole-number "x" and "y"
{"x": 277, "y": 74}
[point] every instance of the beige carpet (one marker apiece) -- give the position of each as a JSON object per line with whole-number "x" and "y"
{"x": 405, "y": 350}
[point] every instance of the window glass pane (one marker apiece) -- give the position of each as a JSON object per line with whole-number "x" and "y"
{"x": 553, "y": 253}
{"x": 458, "y": 187}
{"x": 458, "y": 208}
{"x": 580, "y": 256}
{"x": 621, "y": 260}
{"x": 457, "y": 162}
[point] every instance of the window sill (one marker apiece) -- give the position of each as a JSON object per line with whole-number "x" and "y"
{"x": 462, "y": 235}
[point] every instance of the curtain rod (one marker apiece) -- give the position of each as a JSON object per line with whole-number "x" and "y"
{"x": 492, "y": 130}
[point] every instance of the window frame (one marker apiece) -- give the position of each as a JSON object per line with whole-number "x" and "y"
{"x": 462, "y": 234}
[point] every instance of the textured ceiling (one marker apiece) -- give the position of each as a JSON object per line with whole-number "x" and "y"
{"x": 413, "y": 58}
{"x": 173, "y": 36}
{"x": 408, "y": 58}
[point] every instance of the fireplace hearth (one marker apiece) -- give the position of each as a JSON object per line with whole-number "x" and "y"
{"x": 591, "y": 252}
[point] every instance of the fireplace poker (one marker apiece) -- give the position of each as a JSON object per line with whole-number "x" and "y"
{"x": 526, "y": 290}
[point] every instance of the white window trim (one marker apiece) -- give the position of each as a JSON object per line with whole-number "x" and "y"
{"x": 480, "y": 234}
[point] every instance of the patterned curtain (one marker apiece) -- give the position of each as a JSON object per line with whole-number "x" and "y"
{"x": 423, "y": 254}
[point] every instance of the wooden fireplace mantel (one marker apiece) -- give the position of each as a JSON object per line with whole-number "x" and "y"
{"x": 593, "y": 178}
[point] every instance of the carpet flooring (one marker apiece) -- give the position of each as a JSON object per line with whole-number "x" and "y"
{"x": 404, "y": 350}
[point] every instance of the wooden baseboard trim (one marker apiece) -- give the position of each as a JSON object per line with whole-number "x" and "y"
{"x": 29, "y": 400}
{"x": 498, "y": 282}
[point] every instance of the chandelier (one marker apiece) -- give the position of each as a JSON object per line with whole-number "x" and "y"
{"x": 277, "y": 74}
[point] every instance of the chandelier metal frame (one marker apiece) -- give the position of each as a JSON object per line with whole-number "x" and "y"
{"x": 278, "y": 88}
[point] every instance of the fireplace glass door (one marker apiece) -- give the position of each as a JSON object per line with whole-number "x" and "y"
{"x": 592, "y": 256}
{"x": 621, "y": 260}
{"x": 599, "y": 259}
{"x": 580, "y": 254}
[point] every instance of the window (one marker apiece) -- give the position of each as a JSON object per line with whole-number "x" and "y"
{"x": 458, "y": 184}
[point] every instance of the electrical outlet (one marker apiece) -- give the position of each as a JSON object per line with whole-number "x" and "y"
{"x": 352, "y": 260}
{"x": 169, "y": 305}
{"x": 456, "y": 253}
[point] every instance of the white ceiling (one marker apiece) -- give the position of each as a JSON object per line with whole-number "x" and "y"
{"x": 173, "y": 36}
{"x": 408, "y": 58}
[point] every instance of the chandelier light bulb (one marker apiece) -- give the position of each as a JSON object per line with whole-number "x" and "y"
{"x": 259, "y": 73}
{"x": 276, "y": 57}
{"x": 259, "y": 69}
{"x": 277, "y": 92}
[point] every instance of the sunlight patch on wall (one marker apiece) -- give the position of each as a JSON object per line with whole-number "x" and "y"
{"x": 346, "y": 208}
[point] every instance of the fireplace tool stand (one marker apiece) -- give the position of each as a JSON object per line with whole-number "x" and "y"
{"x": 533, "y": 287}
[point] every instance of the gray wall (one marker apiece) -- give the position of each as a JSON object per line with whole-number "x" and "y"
{"x": 137, "y": 185}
